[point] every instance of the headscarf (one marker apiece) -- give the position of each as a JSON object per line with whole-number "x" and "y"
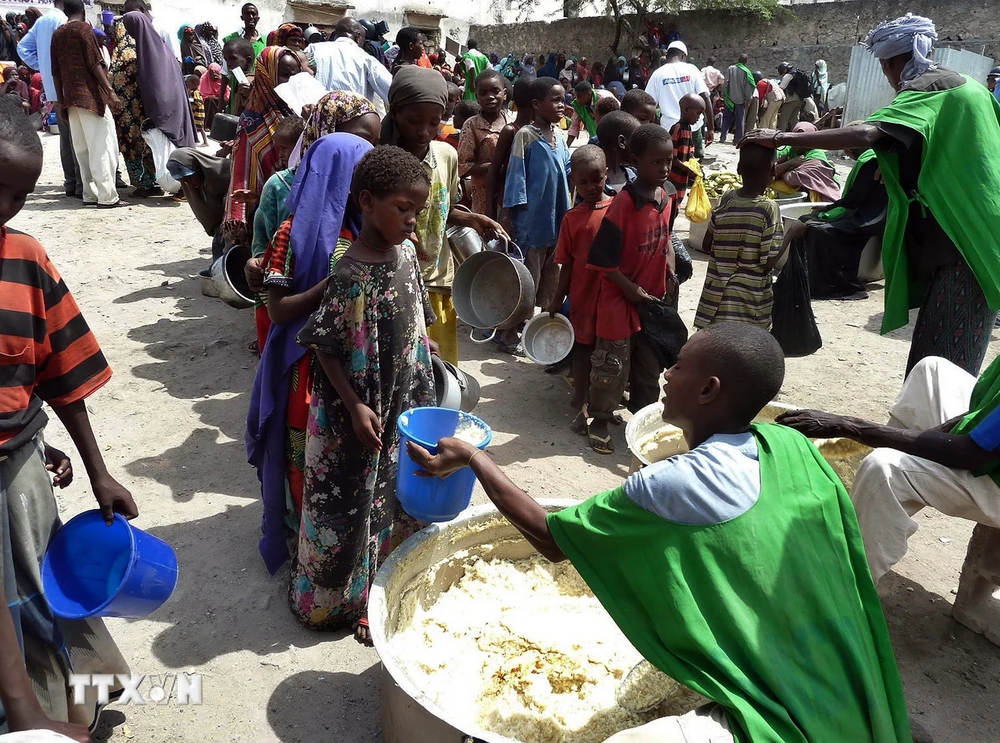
{"x": 335, "y": 108}
{"x": 210, "y": 86}
{"x": 213, "y": 49}
{"x": 31, "y": 15}
{"x": 549, "y": 68}
{"x": 284, "y": 32}
{"x": 494, "y": 59}
{"x": 318, "y": 201}
{"x": 618, "y": 88}
{"x": 528, "y": 70}
{"x": 412, "y": 85}
{"x": 209, "y": 202}
{"x": 910, "y": 34}
{"x": 193, "y": 49}
{"x": 611, "y": 72}
{"x": 161, "y": 85}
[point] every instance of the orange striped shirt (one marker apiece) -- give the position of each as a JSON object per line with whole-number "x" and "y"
{"x": 47, "y": 352}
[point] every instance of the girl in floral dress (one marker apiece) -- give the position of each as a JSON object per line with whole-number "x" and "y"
{"x": 370, "y": 338}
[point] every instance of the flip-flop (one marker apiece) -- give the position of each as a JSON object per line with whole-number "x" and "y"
{"x": 118, "y": 204}
{"x": 601, "y": 444}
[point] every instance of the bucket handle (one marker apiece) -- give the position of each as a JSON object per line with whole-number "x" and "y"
{"x": 491, "y": 336}
{"x": 512, "y": 244}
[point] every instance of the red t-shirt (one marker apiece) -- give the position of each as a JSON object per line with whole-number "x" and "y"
{"x": 634, "y": 238}
{"x": 579, "y": 227}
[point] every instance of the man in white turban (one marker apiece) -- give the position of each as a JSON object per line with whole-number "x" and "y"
{"x": 938, "y": 149}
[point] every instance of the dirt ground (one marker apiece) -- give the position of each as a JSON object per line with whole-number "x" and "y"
{"x": 171, "y": 425}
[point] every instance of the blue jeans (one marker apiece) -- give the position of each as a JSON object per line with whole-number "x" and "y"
{"x": 739, "y": 112}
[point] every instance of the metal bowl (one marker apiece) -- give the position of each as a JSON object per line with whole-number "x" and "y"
{"x": 546, "y": 339}
{"x": 229, "y": 279}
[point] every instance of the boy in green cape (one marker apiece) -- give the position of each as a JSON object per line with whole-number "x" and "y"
{"x": 938, "y": 149}
{"x": 736, "y": 568}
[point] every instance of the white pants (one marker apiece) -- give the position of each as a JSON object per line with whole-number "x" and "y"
{"x": 704, "y": 725}
{"x": 891, "y": 487}
{"x": 95, "y": 142}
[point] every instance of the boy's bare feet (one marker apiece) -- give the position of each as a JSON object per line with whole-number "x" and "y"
{"x": 579, "y": 424}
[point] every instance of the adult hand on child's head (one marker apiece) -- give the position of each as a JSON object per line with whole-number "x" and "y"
{"x": 762, "y": 137}
{"x": 453, "y": 454}
{"x": 58, "y": 463}
{"x": 112, "y": 498}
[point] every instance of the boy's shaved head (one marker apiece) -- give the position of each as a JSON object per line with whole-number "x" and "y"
{"x": 756, "y": 160}
{"x": 587, "y": 156}
{"x": 614, "y": 125}
{"x": 693, "y": 99}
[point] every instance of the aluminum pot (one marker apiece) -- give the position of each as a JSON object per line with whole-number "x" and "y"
{"x": 229, "y": 279}
{"x": 408, "y": 714}
{"x": 464, "y": 241}
{"x": 493, "y": 290}
{"x": 455, "y": 389}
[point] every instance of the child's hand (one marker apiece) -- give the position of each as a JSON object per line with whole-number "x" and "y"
{"x": 434, "y": 346}
{"x": 555, "y": 308}
{"x": 637, "y": 295}
{"x": 112, "y": 498}
{"x": 367, "y": 427}
{"x": 254, "y": 274}
{"x": 58, "y": 463}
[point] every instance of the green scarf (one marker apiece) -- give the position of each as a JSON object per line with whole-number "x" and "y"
{"x": 772, "y": 614}
{"x": 831, "y": 215}
{"x": 788, "y": 151}
{"x": 586, "y": 115}
{"x": 962, "y": 192}
{"x": 480, "y": 62}
{"x": 985, "y": 398}
{"x": 753, "y": 84}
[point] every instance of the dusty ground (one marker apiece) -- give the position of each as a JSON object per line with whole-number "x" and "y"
{"x": 171, "y": 425}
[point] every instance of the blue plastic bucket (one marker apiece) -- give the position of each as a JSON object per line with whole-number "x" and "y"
{"x": 95, "y": 570}
{"x": 434, "y": 498}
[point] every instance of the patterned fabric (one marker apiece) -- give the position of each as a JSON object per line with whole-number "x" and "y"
{"x": 42, "y": 327}
{"x": 125, "y": 82}
{"x": 373, "y": 321}
{"x": 747, "y": 232}
{"x": 255, "y": 154}
{"x": 335, "y": 108}
{"x": 285, "y": 33}
{"x": 198, "y": 110}
{"x": 211, "y": 42}
{"x": 476, "y": 145}
{"x": 76, "y": 55}
{"x": 955, "y": 320}
{"x": 436, "y": 264}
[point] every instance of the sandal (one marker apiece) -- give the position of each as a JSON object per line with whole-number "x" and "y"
{"x": 601, "y": 444}
{"x": 118, "y": 204}
{"x": 142, "y": 193}
{"x": 362, "y": 633}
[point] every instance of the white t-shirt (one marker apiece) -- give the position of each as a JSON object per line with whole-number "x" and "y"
{"x": 671, "y": 82}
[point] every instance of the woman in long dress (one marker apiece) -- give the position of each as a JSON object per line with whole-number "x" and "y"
{"x": 125, "y": 82}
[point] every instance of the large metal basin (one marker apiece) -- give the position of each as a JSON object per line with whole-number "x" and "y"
{"x": 408, "y": 714}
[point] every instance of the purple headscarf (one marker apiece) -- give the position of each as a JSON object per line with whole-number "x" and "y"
{"x": 164, "y": 94}
{"x": 318, "y": 201}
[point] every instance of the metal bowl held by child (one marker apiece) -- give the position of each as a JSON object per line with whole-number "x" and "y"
{"x": 547, "y": 339}
{"x": 493, "y": 290}
{"x": 230, "y": 281}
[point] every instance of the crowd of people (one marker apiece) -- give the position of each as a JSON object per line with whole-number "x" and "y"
{"x": 344, "y": 205}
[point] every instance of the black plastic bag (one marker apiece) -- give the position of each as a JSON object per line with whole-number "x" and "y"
{"x": 665, "y": 329}
{"x": 792, "y": 321}
{"x": 683, "y": 266}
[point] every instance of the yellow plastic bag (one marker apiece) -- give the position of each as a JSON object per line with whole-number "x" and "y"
{"x": 698, "y": 208}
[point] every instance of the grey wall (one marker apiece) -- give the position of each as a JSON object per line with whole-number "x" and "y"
{"x": 799, "y": 34}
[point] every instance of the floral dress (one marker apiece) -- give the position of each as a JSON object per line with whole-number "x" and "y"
{"x": 374, "y": 320}
{"x": 125, "y": 82}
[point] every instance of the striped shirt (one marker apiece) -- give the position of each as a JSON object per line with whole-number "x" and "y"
{"x": 746, "y": 232}
{"x": 47, "y": 352}
{"x": 683, "y": 149}
{"x": 198, "y": 110}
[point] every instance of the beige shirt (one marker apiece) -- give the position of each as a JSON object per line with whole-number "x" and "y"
{"x": 433, "y": 250}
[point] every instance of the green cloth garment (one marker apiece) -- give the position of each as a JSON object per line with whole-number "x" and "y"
{"x": 271, "y": 210}
{"x": 832, "y": 215}
{"x": 789, "y": 151}
{"x": 985, "y": 398}
{"x": 480, "y": 62}
{"x": 772, "y": 614}
{"x": 962, "y": 192}
{"x": 586, "y": 114}
{"x": 753, "y": 84}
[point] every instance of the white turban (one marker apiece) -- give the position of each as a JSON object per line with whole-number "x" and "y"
{"x": 909, "y": 34}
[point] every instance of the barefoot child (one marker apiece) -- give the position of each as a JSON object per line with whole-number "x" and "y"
{"x": 478, "y": 142}
{"x": 417, "y": 101}
{"x": 633, "y": 251}
{"x": 744, "y": 240}
{"x": 497, "y": 174}
{"x": 197, "y": 106}
{"x": 588, "y": 171}
{"x": 370, "y": 337}
{"x": 681, "y": 176}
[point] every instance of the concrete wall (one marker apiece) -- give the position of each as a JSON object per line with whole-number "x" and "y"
{"x": 799, "y": 34}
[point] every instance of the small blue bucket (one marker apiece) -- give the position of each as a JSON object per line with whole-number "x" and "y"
{"x": 95, "y": 570}
{"x": 434, "y": 498}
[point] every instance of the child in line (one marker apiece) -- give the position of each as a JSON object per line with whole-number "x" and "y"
{"x": 682, "y": 134}
{"x": 197, "y": 106}
{"x": 537, "y": 190}
{"x": 744, "y": 241}
{"x": 497, "y": 174}
{"x": 370, "y": 338}
{"x": 588, "y": 172}
{"x": 238, "y": 53}
{"x": 448, "y": 132}
{"x": 417, "y": 101}
{"x": 602, "y": 109}
{"x": 613, "y": 136}
{"x": 640, "y": 104}
{"x": 480, "y": 133}
{"x": 633, "y": 252}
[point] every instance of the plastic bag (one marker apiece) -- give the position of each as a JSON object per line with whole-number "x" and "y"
{"x": 792, "y": 321}
{"x": 162, "y": 148}
{"x": 665, "y": 330}
{"x": 698, "y": 208}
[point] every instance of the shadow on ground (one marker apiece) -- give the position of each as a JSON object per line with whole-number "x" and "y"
{"x": 349, "y": 705}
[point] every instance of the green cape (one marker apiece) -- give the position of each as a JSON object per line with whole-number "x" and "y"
{"x": 753, "y": 83}
{"x": 586, "y": 116}
{"x": 985, "y": 398}
{"x": 959, "y": 183}
{"x": 772, "y": 614}
{"x": 480, "y": 61}
{"x": 831, "y": 215}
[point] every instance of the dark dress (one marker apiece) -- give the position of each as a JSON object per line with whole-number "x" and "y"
{"x": 833, "y": 248}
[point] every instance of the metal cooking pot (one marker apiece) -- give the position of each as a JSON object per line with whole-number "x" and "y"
{"x": 229, "y": 279}
{"x": 224, "y": 127}
{"x": 493, "y": 290}
{"x": 454, "y": 388}
{"x": 464, "y": 241}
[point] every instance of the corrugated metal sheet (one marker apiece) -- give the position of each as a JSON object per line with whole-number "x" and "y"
{"x": 868, "y": 90}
